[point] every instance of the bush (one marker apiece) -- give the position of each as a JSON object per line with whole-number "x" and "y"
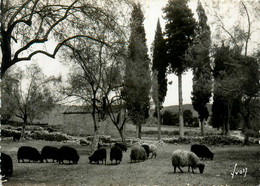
{"x": 169, "y": 118}
{"x": 8, "y": 132}
{"x": 208, "y": 140}
{"x": 55, "y": 136}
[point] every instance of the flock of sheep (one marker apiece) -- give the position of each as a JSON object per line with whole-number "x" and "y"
{"x": 139, "y": 152}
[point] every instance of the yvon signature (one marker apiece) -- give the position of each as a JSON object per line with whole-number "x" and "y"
{"x": 241, "y": 171}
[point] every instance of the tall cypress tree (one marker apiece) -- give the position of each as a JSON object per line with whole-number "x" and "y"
{"x": 159, "y": 67}
{"x": 137, "y": 75}
{"x": 179, "y": 30}
{"x": 202, "y": 77}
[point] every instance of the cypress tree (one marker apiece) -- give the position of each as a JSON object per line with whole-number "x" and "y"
{"x": 159, "y": 66}
{"x": 179, "y": 30}
{"x": 202, "y": 77}
{"x": 137, "y": 74}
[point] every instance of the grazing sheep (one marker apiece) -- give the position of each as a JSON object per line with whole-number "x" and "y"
{"x": 30, "y": 153}
{"x": 49, "y": 152}
{"x": 137, "y": 153}
{"x": 6, "y": 165}
{"x": 147, "y": 149}
{"x": 202, "y": 151}
{"x": 68, "y": 153}
{"x": 122, "y": 146}
{"x": 186, "y": 158}
{"x": 98, "y": 155}
{"x": 116, "y": 154}
{"x": 153, "y": 150}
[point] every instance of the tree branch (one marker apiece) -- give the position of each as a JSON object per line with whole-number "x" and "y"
{"x": 249, "y": 27}
{"x": 16, "y": 59}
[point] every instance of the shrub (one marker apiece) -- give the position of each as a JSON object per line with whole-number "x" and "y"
{"x": 55, "y": 136}
{"x": 169, "y": 118}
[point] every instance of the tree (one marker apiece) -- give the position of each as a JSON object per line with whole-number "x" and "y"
{"x": 179, "y": 31}
{"x": 32, "y": 101}
{"x": 226, "y": 86}
{"x": 137, "y": 73}
{"x": 202, "y": 77}
{"x": 96, "y": 81}
{"x": 159, "y": 67}
{"x": 239, "y": 27}
{"x": 187, "y": 117}
{"x": 236, "y": 82}
{"x": 249, "y": 103}
{"x": 27, "y": 25}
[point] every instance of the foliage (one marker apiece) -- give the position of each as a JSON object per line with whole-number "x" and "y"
{"x": 179, "y": 32}
{"x": 169, "y": 118}
{"x": 187, "y": 117}
{"x": 199, "y": 56}
{"x": 159, "y": 63}
{"x": 137, "y": 73}
{"x": 28, "y": 102}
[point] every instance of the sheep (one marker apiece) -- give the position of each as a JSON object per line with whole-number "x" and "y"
{"x": 116, "y": 154}
{"x": 147, "y": 149}
{"x": 98, "y": 155}
{"x": 137, "y": 153}
{"x": 49, "y": 152}
{"x": 153, "y": 150}
{"x": 68, "y": 153}
{"x": 30, "y": 153}
{"x": 186, "y": 158}
{"x": 202, "y": 151}
{"x": 6, "y": 165}
{"x": 122, "y": 146}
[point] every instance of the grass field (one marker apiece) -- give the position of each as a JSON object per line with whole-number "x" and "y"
{"x": 157, "y": 171}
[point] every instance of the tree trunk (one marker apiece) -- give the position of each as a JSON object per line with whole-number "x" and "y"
{"x": 247, "y": 127}
{"x": 122, "y": 134}
{"x": 229, "y": 107}
{"x": 246, "y": 139}
{"x": 95, "y": 141}
{"x": 122, "y": 128}
{"x": 202, "y": 127}
{"x": 159, "y": 120}
{"x": 180, "y": 105}
{"x": 23, "y": 127}
{"x": 138, "y": 130}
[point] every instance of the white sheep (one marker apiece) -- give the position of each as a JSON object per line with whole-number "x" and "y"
{"x": 186, "y": 158}
{"x": 153, "y": 150}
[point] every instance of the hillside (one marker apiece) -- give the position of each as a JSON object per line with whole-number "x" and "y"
{"x": 175, "y": 108}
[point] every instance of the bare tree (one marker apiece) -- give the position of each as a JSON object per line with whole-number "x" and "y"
{"x": 32, "y": 101}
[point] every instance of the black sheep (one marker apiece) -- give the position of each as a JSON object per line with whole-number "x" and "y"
{"x": 202, "y": 151}
{"x": 116, "y": 154}
{"x": 49, "y": 152}
{"x": 122, "y": 146}
{"x": 30, "y": 153}
{"x": 147, "y": 149}
{"x": 6, "y": 165}
{"x": 68, "y": 153}
{"x": 98, "y": 155}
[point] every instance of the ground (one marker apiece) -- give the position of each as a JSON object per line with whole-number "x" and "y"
{"x": 157, "y": 171}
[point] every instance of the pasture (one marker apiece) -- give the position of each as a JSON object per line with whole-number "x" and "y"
{"x": 157, "y": 171}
